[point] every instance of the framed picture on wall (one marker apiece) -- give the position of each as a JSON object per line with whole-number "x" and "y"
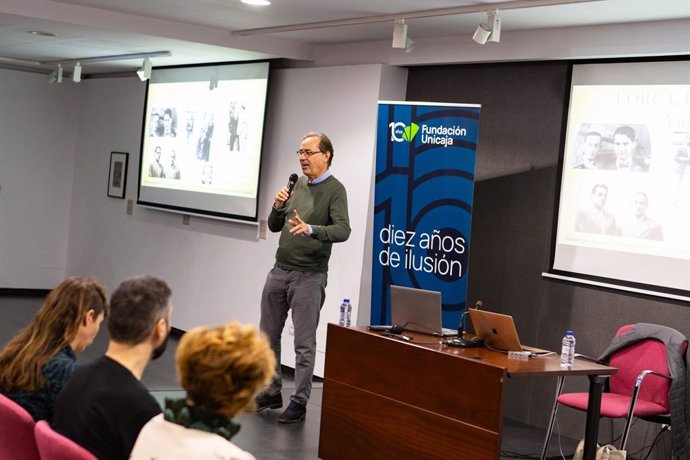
{"x": 117, "y": 179}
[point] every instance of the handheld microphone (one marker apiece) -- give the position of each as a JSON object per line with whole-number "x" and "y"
{"x": 291, "y": 183}
{"x": 292, "y": 180}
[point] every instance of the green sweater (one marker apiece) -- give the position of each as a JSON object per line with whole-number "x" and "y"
{"x": 324, "y": 207}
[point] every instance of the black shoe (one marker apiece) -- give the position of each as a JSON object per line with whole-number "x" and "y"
{"x": 266, "y": 401}
{"x": 294, "y": 413}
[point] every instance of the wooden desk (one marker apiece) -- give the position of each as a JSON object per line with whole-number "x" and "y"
{"x": 386, "y": 398}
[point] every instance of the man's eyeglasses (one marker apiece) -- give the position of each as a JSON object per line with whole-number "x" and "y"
{"x": 307, "y": 153}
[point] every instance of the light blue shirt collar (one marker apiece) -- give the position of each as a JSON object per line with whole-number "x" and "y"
{"x": 321, "y": 178}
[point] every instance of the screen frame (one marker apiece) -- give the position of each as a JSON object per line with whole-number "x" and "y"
{"x": 253, "y": 219}
{"x": 583, "y": 278}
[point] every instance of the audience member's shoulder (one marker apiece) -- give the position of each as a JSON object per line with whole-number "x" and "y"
{"x": 159, "y": 436}
{"x": 61, "y": 366}
{"x": 93, "y": 367}
{"x": 104, "y": 375}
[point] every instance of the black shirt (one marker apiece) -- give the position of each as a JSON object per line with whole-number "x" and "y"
{"x": 103, "y": 407}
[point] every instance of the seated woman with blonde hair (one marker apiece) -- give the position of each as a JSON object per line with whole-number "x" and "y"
{"x": 37, "y": 362}
{"x": 221, "y": 369}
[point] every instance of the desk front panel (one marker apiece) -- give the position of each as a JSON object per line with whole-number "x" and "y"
{"x": 357, "y": 424}
{"x": 383, "y": 391}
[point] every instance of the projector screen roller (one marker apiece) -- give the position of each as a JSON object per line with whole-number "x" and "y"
{"x": 202, "y": 138}
{"x": 624, "y": 206}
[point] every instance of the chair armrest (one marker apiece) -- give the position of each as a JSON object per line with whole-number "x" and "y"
{"x": 645, "y": 373}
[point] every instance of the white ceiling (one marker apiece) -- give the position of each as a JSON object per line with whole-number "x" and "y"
{"x": 207, "y": 30}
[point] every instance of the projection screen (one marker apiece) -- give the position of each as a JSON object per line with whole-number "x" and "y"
{"x": 202, "y": 139}
{"x": 624, "y": 199}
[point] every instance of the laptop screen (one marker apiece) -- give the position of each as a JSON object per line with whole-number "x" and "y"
{"x": 417, "y": 310}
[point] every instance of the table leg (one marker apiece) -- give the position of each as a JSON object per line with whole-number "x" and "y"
{"x": 554, "y": 410}
{"x": 596, "y": 387}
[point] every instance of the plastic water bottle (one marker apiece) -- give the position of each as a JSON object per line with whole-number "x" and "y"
{"x": 568, "y": 349}
{"x": 343, "y": 312}
{"x": 348, "y": 313}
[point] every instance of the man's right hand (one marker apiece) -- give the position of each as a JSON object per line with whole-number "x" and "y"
{"x": 281, "y": 197}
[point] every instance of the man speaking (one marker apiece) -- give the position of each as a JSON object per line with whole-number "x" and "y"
{"x": 311, "y": 217}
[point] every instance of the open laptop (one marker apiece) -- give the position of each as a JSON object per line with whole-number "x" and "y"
{"x": 498, "y": 331}
{"x": 418, "y": 310}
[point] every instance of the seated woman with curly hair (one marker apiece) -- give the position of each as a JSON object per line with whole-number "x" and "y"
{"x": 221, "y": 369}
{"x": 36, "y": 363}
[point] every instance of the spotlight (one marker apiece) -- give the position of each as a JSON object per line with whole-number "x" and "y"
{"x": 400, "y": 34}
{"x": 409, "y": 46}
{"x": 76, "y": 73}
{"x": 491, "y": 31}
{"x": 214, "y": 81}
{"x": 481, "y": 35}
{"x": 52, "y": 76}
{"x": 145, "y": 71}
{"x": 58, "y": 75}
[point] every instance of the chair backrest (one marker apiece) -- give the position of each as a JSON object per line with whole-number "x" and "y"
{"x": 16, "y": 432}
{"x": 646, "y": 354}
{"x": 54, "y": 446}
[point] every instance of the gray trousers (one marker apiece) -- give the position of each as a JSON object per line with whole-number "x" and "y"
{"x": 304, "y": 294}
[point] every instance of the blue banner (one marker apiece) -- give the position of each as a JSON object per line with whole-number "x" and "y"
{"x": 425, "y": 159}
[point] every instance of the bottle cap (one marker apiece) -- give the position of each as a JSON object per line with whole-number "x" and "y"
{"x": 568, "y": 332}
{"x": 346, "y": 300}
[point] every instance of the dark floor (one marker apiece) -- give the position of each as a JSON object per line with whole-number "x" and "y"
{"x": 260, "y": 433}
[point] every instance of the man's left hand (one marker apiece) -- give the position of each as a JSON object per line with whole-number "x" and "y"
{"x": 299, "y": 227}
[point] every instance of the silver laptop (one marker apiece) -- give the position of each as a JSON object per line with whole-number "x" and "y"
{"x": 418, "y": 310}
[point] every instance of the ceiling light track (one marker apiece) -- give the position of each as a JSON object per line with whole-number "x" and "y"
{"x": 510, "y": 5}
{"x": 19, "y": 61}
{"x": 114, "y": 57}
{"x": 55, "y": 76}
{"x": 82, "y": 60}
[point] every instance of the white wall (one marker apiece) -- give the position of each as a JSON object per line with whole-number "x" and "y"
{"x": 217, "y": 269}
{"x": 341, "y": 102}
{"x": 38, "y": 133}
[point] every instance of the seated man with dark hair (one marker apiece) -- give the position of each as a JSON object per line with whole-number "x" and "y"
{"x": 104, "y": 405}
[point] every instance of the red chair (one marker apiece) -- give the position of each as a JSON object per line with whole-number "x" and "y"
{"x": 54, "y": 446}
{"x": 16, "y": 432}
{"x": 640, "y": 388}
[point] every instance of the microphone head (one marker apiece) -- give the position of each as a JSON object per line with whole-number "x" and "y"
{"x": 292, "y": 181}
{"x": 478, "y": 304}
